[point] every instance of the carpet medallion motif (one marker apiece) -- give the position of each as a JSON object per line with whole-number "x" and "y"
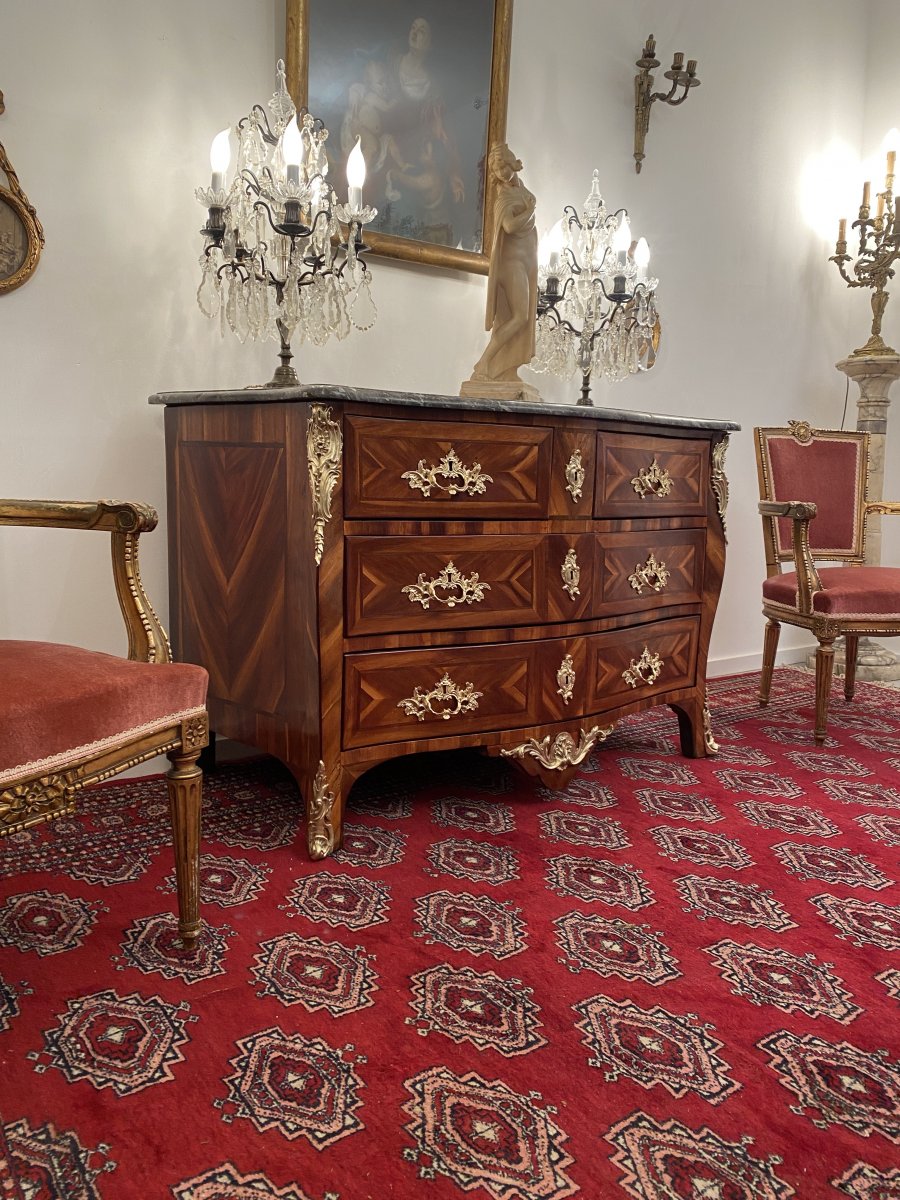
{"x": 667, "y": 1161}
{"x": 152, "y": 946}
{"x": 47, "y": 923}
{"x": 127, "y": 1043}
{"x": 655, "y": 1048}
{"x": 477, "y": 924}
{"x": 490, "y": 1012}
{"x": 670, "y": 979}
{"x": 478, "y": 862}
{"x": 612, "y": 947}
{"x": 483, "y": 1134}
{"x": 316, "y": 974}
{"x": 595, "y": 879}
{"x": 301, "y": 1087}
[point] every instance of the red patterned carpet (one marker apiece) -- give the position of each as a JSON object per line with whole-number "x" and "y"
{"x": 676, "y": 979}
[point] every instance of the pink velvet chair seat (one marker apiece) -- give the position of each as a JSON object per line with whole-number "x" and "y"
{"x": 58, "y": 703}
{"x": 846, "y": 591}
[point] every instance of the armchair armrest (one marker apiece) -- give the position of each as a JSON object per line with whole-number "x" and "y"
{"x": 886, "y": 508}
{"x": 800, "y": 512}
{"x": 125, "y": 521}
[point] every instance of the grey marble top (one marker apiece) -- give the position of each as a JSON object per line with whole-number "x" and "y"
{"x": 337, "y": 393}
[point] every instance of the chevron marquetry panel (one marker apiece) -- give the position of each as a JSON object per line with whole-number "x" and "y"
{"x": 508, "y": 677}
{"x": 518, "y": 460}
{"x": 233, "y": 577}
{"x": 622, "y": 456}
{"x": 620, "y": 554}
{"x": 610, "y": 654}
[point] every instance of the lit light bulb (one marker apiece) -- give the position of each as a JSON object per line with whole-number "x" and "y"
{"x": 641, "y": 259}
{"x": 219, "y": 159}
{"x": 551, "y": 247}
{"x": 292, "y": 150}
{"x": 356, "y": 177}
{"x": 622, "y": 240}
{"x": 891, "y": 141}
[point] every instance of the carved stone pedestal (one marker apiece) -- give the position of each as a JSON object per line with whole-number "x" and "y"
{"x": 874, "y": 373}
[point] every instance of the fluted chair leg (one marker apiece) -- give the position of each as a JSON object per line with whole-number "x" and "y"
{"x": 851, "y": 648}
{"x": 770, "y": 645}
{"x": 185, "y": 783}
{"x": 824, "y": 671}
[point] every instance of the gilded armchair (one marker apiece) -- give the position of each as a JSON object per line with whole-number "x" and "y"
{"x": 71, "y": 717}
{"x": 812, "y": 485}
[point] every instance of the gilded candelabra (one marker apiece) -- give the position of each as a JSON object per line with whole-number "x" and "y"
{"x": 681, "y": 77}
{"x": 879, "y": 249}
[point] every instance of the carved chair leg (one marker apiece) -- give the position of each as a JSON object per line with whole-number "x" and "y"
{"x": 185, "y": 783}
{"x": 851, "y": 646}
{"x": 824, "y": 670}
{"x": 770, "y": 645}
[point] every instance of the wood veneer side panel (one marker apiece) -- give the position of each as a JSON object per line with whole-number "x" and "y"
{"x": 230, "y": 474}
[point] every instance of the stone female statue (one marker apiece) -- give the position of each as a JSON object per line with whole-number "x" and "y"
{"x": 512, "y": 286}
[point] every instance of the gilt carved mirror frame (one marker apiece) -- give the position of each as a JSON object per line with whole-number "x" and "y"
{"x": 21, "y": 233}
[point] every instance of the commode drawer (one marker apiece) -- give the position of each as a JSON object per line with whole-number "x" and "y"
{"x": 442, "y": 469}
{"x": 448, "y": 582}
{"x": 645, "y": 569}
{"x": 631, "y": 664}
{"x": 640, "y": 476}
{"x": 395, "y": 695}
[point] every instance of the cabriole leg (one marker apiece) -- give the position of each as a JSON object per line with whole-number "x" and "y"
{"x": 185, "y": 783}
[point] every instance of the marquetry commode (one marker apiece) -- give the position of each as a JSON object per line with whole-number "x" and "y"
{"x": 370, "y": 574}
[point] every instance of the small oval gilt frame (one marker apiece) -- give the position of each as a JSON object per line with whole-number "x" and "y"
{"x": 21, "y": 233}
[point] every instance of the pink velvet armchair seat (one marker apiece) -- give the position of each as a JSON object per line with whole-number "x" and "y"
{"x": 70, "y": 717}
{"x": 812, "y": 485}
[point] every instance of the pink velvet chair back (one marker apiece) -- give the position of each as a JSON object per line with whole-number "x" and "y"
{"x": 826, "y": 467}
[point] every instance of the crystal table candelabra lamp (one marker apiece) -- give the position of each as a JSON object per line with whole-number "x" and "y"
{"x": 596, "y": 309}
{"x": 878, "y": 251}
{"x": 275, "y": 263}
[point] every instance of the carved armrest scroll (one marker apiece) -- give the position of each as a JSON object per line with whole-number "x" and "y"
{"x": 885, "y": 508}
{"x": 125, "y": 520}
{"x": 801, "y": 512}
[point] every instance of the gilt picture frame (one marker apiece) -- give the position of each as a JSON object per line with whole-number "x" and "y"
{"x": 424, "y": 85}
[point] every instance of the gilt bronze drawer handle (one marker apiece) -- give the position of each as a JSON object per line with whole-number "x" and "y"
{"x": 645, "y": 671}
{"x": 451, "y": 699}
{"x": 557, "y": 753}
{"x": 565, "y": 677}
{"x": 571, "y": 574}
{"x": 575, "y": 476}
{"x": 653, "y": 574}
{"x": 652, "y": 481}
{"x": 470, "y": 481}
{"x": 458, "y": 589}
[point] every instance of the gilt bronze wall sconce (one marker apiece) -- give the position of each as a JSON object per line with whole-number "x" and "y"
{"x": 681, "y": 77}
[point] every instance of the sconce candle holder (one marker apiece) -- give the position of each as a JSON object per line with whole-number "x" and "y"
{"x": 879, "y": 249}
{"x": 596, "y": 309}
{"x": 680, "y": 76}
{"x": 276, "y": 263}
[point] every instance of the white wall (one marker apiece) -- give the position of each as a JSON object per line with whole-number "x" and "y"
{"x": 110, "y": 108}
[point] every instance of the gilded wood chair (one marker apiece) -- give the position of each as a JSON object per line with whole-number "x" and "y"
{"x": 812, "y": 485}
{"x": 71, "y": 717}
